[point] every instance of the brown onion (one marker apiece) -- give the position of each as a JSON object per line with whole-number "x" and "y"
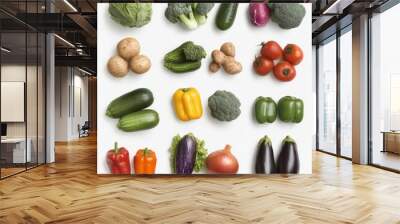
{"x": 222, "y": 161}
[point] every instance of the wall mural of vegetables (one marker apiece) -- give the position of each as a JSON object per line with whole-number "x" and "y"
{"x": 262, "y": 107}
{"x": 187, "y": 104}
{"x": 130, "y": 109}
{"x": 188, "y": 154}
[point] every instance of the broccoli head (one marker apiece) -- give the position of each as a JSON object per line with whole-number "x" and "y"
{"x": 287, "y": 15}
{"x": 194, "y": 52}
{"x": 181, "y": 12}
{"x": 224, "y": 106}
{"x": 201, "y": 10}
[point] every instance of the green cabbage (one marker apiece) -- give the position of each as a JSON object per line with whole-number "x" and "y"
{"x": 131, "y": 14}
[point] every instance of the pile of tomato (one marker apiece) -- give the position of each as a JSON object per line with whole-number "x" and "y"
{"x": 280, "y": 62}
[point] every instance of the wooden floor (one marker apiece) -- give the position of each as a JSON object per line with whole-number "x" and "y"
{"x": 69, "y": 191}
{"x": 387, "y": 159}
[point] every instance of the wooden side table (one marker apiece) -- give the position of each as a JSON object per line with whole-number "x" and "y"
{"x": 391, "y": 141}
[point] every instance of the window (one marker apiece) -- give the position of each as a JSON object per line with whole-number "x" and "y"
{"x": 327, "y": 97}
{"x": 22, "y": 77}
{"x": 346, "y": 94}
{"x": 385, "y": 90}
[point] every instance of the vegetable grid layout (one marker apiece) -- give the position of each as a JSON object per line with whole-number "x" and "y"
{"x": 204, "y": 88}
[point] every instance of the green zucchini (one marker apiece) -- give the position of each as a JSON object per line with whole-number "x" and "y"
{"x": 226, "y": 15}
{"x": 141, "y": 120}
{"x": 133, "y": 101}
{"x": 183, "y": 67}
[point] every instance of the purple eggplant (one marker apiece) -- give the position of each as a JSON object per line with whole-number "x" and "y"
{"x": 265, "y": 162}
{"x": 186, "y": 155}
{"x": 259, "y": 14}
{"x": 288, "y": 159}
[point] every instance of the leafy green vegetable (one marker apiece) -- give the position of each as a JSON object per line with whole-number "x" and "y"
{"x": 287, "y": 15}
{"x": 190, "y": 15}
{"x": 224, "y": 105}
{"x": 131, "y": 14}
{"x": 201, "y": 153}
{"x": 173, "y": 150}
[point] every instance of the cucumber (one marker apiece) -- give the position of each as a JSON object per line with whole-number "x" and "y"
{"x": 226, "y": 15}
{"x": 130, "y": 102}
{"x": 141, "y": 120}
{"x": 177, "y": 55}
{"x": 183, "y": 67}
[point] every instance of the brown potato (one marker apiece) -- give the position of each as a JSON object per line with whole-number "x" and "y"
{"x": 117, "y": 66}
{"x": 128, "y": 48}
{"x": 229, "y": 59}
{"x": 140, "y": 64}
{"x": 218, "y": 57}
{"x": 214, "y": 67}
{"x": 228, "y": 49}
{"x": 232, "y": 67}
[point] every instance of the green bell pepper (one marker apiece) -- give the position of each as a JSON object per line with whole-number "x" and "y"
{"x": 265, "y": 110}
{"x": 290, "y": 109}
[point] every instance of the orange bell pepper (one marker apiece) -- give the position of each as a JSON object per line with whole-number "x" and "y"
{"x": 187, "y": 103}
{"x": 144, "y": 161}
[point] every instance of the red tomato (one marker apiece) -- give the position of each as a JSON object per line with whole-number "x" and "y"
{"x": 271, "y": 50}
{"x": 262, "y": 65}
{"x": 284, "y": 71}
{"x": 293, "y": 54}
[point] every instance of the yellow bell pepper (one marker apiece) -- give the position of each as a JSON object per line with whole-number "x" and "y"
{"x": 187, "y": 103}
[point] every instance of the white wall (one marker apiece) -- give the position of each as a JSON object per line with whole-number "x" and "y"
{"x": 314, "y": 85}
{"x": 70, "y": 83}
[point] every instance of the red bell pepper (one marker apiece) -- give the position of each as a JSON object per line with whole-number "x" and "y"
{"x": 118, "y": 160}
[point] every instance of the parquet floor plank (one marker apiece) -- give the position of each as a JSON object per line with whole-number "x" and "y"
{"x": 69, "y": 191}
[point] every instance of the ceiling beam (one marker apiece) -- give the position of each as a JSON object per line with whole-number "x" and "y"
{"x": 337, "y": 7}
{"x": 78, "y": 61}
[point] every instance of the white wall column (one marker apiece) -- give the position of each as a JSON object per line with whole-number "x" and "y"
{"x": 360, "y": 90}
{"x": 50, "y": 99}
